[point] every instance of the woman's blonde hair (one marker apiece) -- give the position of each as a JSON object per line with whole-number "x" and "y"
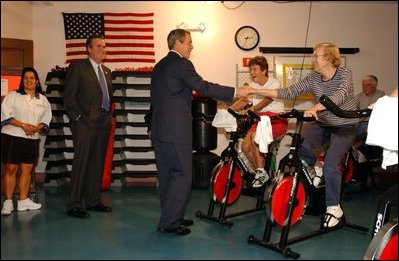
{"x": 331, "y": 53}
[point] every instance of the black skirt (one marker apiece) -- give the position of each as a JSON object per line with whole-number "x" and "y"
{"x": 15, "y": 150}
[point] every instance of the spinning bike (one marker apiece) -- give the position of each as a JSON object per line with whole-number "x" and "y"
{"x": 233, "y": 175}
{"x": 349, "y": 167}
{"x": 384, "y": 238}
{"x": 293, "y": 192}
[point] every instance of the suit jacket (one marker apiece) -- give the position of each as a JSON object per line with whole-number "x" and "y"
{"x": 172, "y": 81}
{"x": 83, "y": 95}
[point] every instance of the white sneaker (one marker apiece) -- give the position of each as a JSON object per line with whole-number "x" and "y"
{"x": 28, "y": 204}
{"x": 333, "y": 216}
{"x": 318, "y": 177}
{"x": 8, "y": 207}
{"x": 261, "y": 177}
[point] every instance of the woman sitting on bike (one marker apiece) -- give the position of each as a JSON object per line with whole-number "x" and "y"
{"x": 258, "y": 70}
{"x": 334, "y": 81}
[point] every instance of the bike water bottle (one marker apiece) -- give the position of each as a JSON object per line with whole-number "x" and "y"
{"x": 309, "y": 172}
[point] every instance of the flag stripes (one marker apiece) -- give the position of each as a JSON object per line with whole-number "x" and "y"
{"x": 128, "y": 36}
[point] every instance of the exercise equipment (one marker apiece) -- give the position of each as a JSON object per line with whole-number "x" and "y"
{"x": 297, "y": 177}
{"x": 384, "y": 237}
{"x": 233, "y": 176}
{"x": 203, "y": 110}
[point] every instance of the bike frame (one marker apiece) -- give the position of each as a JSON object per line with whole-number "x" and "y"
{"x": 230, "y": 155}
{"x": 292, "y": 165}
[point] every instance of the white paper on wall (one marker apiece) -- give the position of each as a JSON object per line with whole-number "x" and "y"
{"x": 4, "y": 87}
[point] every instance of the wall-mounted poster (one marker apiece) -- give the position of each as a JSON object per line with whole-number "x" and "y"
{"x": 291, "y": 69}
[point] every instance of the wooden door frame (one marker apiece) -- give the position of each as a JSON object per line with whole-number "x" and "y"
{"x": 15, "y": 68}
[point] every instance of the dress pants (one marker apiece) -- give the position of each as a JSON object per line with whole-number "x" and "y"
{"x": 174, "y": 163}
{"x": 90, "y": 145}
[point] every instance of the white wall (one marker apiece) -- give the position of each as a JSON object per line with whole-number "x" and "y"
{"x": 370, "y": 26}
{"x": 16, "y": 20}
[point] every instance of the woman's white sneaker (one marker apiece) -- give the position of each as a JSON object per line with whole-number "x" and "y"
{"x": 319, "y": 175}
{"x": 8, "y": 207}
{"x": 28, "y": 204}
{"x": 261, "y": 177}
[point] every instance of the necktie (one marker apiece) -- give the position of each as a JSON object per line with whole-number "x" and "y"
{"x": 104, "y": 89}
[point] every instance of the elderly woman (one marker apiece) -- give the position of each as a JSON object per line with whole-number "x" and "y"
{"x": 259, "y": 73}
{"x": 334, "y": 81}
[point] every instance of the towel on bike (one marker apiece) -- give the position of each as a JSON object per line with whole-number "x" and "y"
{"x": 224, "y": 119}
{"x": 264, "y": 133}
{"x": 383, "y": 129}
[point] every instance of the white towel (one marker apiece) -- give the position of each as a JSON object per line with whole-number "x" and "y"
{"x": 224, "y": 119}
{"x": 389, "y": 157}
{"x": 264, "y": 134}
{"x": 383, "y": 129}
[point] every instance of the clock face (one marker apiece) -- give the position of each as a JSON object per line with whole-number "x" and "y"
{"x": 247, "y": 38}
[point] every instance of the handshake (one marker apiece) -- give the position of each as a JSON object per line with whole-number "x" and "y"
{"x": 244, "y": 90}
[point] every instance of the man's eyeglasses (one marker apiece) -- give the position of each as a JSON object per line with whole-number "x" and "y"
{"x": 317, "y": 55}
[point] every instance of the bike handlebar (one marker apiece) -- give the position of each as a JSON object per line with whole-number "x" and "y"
{"x": 254, "y": 115}
{"x": 331, "y": 106}
{"x": 327, "y": 102}
{"x": 292, "y": 114}
{"x": 242, "y": 116}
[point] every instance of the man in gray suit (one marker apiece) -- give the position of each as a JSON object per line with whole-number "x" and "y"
{"x": 87, "y": 99}
{"x": 172, "y": 82}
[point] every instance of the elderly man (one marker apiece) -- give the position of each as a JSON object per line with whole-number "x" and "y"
{"x": 368, "y": 96}
{"x": 366, "y": 154}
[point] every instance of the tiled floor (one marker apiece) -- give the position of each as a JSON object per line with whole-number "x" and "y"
{"x": 129, "y": 232}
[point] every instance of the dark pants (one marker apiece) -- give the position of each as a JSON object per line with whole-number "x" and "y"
{"x": 90, "y": 146}
{"x": 174, "y": 163}
{"x": 339, "y": 138}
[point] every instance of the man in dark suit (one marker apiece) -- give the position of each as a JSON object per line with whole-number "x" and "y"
{"x": 87, "y": 99}
{"x": 172, "y": 82}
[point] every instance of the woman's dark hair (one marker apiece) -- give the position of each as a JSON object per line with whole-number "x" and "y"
{"x": 261, "y": 61}
{"x": 21, "y": 83}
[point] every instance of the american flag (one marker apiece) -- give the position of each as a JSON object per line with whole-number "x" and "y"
{"x": 128, "y": 36}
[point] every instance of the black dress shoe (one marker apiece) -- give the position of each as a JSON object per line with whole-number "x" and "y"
{"x": 186, "y": 222}
{"x": 78, "y": 212}
{"x": 179, "y": 231}
{"x": 100, "y": 207}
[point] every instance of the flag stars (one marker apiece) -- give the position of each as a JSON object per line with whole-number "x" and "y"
{"x": 79, "y": 26}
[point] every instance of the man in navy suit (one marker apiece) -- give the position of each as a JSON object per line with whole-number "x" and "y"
{"x": 172, "y": 82}
{"x": 87, "y": 99}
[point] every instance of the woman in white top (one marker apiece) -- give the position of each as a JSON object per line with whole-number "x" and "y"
{"x": 258, "y": 70}
{"x": 25, "y": 115}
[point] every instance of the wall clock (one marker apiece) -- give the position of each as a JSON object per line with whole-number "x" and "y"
{"x": 247, "y": 38}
